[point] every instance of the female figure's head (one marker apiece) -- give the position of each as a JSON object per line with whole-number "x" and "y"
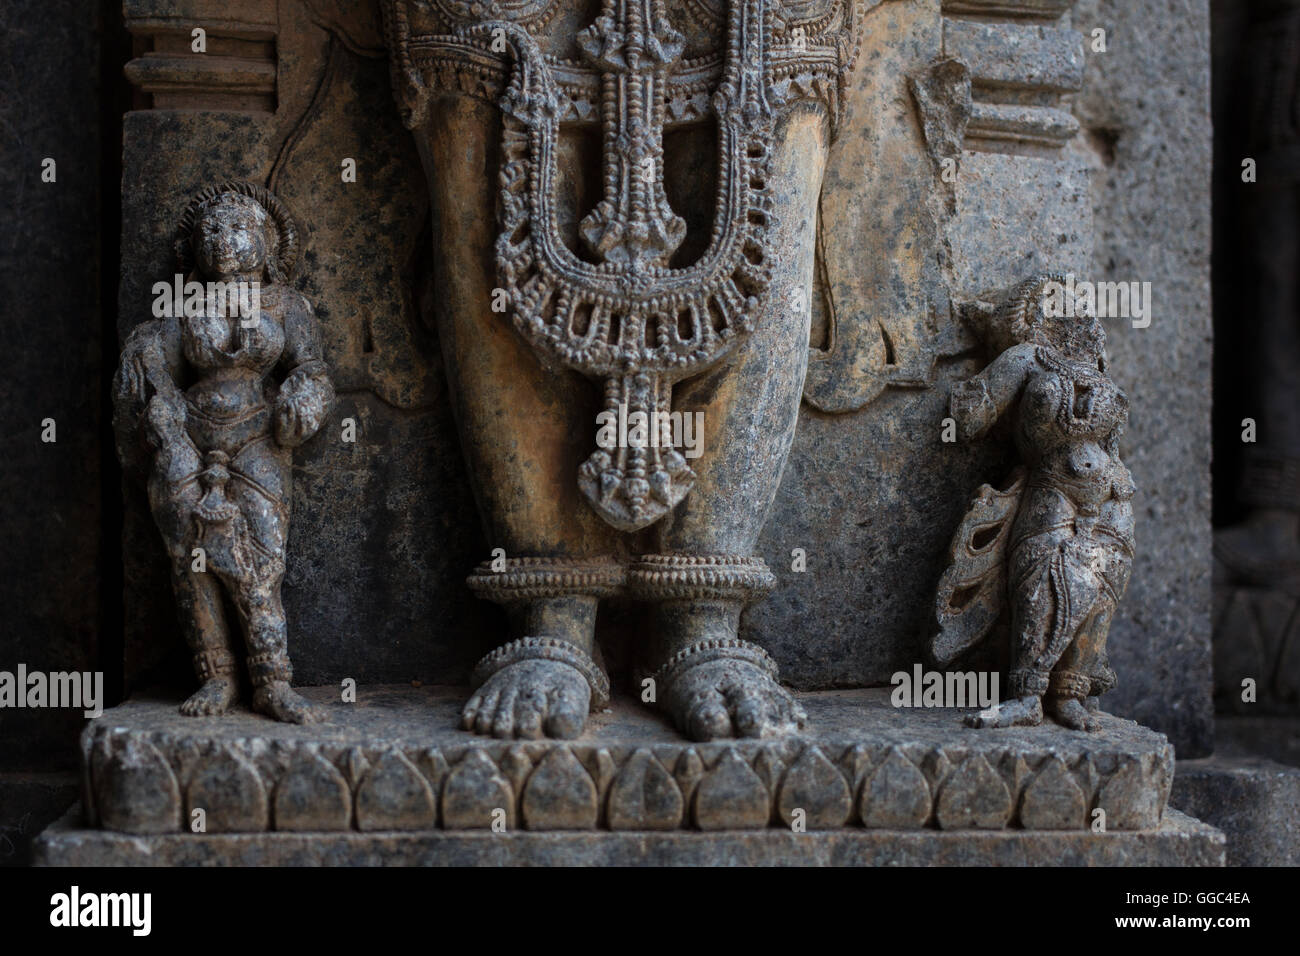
{"x": 1037, "y": 311}
{"x": 236, "y": 228}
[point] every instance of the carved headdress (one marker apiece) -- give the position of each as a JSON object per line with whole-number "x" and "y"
{"x": 280, "y": 230}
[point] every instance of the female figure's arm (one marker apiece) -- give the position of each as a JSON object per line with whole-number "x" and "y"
{"x": 307, "y": 393}
{"x": 977, "y": 403}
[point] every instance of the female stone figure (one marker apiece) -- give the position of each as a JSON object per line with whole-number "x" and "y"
{"x": 1057, "y": 544}
{"x": 221, "y": 393}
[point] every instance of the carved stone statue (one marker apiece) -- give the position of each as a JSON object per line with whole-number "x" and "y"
{"x": 653, "y": 176}
{"x": 217, "y": 393}
{"x": 1055, "y": 546}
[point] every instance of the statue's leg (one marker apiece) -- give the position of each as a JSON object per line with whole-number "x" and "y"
{"x": 1034, "y": 605}
{"x": 173, "y": 494}
{"x": 1071, "y": 681}
{"x": 524, "y": 429}
{"x": 706, "y": 571}
{"x": 261, "y": 613}
{"x": 261, "y": 487}
{"x": 203, "y": 622}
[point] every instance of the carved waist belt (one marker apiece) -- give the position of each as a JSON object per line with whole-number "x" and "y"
{"x": 228, "y": 435}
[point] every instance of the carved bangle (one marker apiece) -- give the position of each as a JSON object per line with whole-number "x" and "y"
{"x": 531, "y": 579}
{"x": 1027, "y": 684}
{"x": 731, "y": 648}
{"x": 210, "y": 664}
{"x": 545, "y": 649}
{"x": 265, "y": 668}
{"x": 1070, "y": 684}
{"x": 699, "y": 577}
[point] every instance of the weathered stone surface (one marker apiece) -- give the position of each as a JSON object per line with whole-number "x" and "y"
{"x": 1145, "y": 110}
{"x": 28, "y": 803}
{"x": 398, "y": 757}
{"x": 1253, "y": 800}
{"x": 52, "y": 575}
{"x": 1180, "y": 841}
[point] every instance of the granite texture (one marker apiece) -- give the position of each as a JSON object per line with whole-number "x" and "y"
{"x": 50, "y": 284}
{"x": 1253, "y": 800}
{"x": 1145, "y": 110}
{"x": 29, "y": 802}
{"x": 1180, "y": 841}
{"x": 396, "y": 760}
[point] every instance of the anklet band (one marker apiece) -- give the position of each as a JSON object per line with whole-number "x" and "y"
{"x": 210, "y": 664}
{"x": 715, "y": 650}
{"x": 265, "y": 668}
{"x": 532, "y": 579}
{"x": 699, "y": 577}
{"x": 545, "y": 649}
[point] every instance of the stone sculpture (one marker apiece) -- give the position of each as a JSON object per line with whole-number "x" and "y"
{"x": 1055, "y": 547}
{"x": 216, "y": 395}
{"x": 654, "y": 177}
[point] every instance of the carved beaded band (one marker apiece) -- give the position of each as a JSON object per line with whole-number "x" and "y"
{"x": 702, "y": 652}
{"x": 545, "y": 649}
{"x": 699, "y": 577}
{"x": 531, "y": 579}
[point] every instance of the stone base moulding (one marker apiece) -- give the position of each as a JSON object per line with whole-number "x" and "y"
{"x": 1179, "y": 841}
{"x": 396, "y": 760}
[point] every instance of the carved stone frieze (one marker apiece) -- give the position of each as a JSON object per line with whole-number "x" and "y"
{"x": 386, "y": 770}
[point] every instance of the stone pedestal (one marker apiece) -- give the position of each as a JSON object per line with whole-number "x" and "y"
{"x": 395, "y": 764}
{"x": 1178, "y": 841}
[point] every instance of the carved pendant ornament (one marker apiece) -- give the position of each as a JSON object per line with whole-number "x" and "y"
{"x": 626, "y": 316}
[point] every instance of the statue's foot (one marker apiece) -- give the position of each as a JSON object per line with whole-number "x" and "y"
{"x": 729, "y": 697}
{"x": 530, "y": 698}
{"x": 1021, "y": 712}
{"x": 281, "y": 702}
{"x": 215, "y": 697}
{"x": 1070, "y": 712}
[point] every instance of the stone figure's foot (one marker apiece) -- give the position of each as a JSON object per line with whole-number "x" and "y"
{"x": 1070, "y": 712}
{"x": 281, "y": 702}
{"x": 215, "y": 697}
{"x": 530, "y": 699}
{"x": 728, "y": 688}
{"x": 535, "y": 687}
{"x": 1021, "y": 712}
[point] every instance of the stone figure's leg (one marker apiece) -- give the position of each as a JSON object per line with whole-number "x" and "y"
{"x": 1033, "y": 608}
{"x": 524, "y": 429}
{"x": 262, "y": 488}
{"x": 203, "y": 622}
{"x": 713, "y": 684}
{"x": 261, "y": 614}
{"x": 1071, "y": 681}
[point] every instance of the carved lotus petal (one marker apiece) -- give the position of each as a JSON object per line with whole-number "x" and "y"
{"x": 135, "y": 789}
{"x": 312, "y": 795}
{"x": 230, "y": 792}
{"x": 1053, "y": 800}
{"x": 731, "y": 797}
{"x": 812, "y": 784}
{"x": 974, "y": 798}
{"x": 472, "y": 791}
{"x": 896, "y": 795}
{"x": 644, "y": 796}
{"x": 560, "y": 794}
{"x": 395, "y": 796}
